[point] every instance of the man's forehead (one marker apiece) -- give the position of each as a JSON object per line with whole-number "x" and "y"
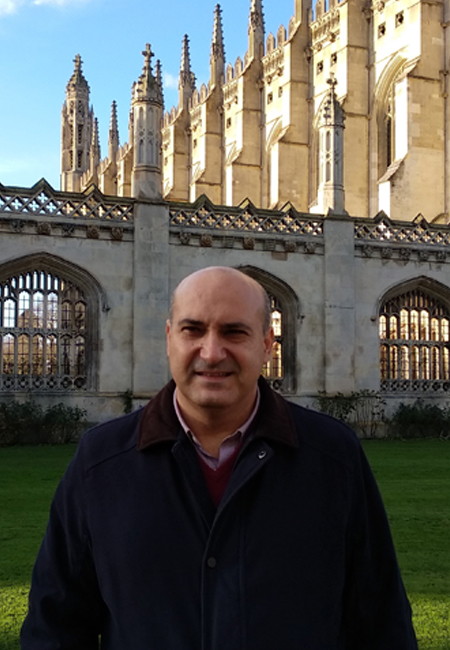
{"x": 206, "y": 281}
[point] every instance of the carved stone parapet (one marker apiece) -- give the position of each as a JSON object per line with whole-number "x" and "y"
{"x": 206, "y": 241}
{"x": 290, "y": 246}
{"x": 230, "y": 92}
{"x": 273, "y": 63}
{"x": 248, "y": 243}
{"x": 325, "y": 29}
{"x": 185, "y": 238}
{"x": 228, "y": 242}
{"x": 17, "y": 225}
{"x": 423, "y": 255}
{"x": 367, "y": 251}
{"x": 116, "y": 234}
{"x": 43, "y": 228}
{"x": 269, "y": 244}
{"x": 405, "y": 253}
{"x": 310, "y": 247}
{"x": 92, "y": 232}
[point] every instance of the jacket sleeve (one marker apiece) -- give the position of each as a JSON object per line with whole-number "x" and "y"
{"x": 376, "y": 611}
{"x": 65, "y": 606}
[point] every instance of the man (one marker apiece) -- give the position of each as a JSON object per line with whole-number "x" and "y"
{"x": 219, "y": 517}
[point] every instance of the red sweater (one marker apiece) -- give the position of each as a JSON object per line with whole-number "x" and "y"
{"x": 217, "y": 479}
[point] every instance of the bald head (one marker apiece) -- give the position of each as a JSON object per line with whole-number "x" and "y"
{"x": 218, "y": 340}
{"x": 219, "y": 277}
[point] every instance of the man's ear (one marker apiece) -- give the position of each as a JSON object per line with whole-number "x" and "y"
{"x": 167, "y": 335}
{"x": 268, "y": 343}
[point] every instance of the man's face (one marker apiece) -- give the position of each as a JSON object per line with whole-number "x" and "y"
{"x": 215, "y": 341}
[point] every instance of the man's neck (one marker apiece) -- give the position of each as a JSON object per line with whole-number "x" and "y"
{"x": 212, "y": 426}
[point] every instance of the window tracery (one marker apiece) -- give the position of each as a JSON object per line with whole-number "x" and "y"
{"x": 43, "y": 332}
{"x": 280, "y": 370}
{"x": 273, "y": 369}
{"x": 414, "y": 330}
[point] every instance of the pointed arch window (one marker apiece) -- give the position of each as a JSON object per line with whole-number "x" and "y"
{"x": 414, "y": 343}
{"x": 273, "y": 369}
{"x": 44, "y": 333}
{"x": 280, "y": 370}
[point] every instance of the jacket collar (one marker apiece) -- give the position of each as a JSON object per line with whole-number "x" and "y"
{"x": 159, "y": 422}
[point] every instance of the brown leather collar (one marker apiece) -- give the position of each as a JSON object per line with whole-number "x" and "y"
{"x": 159, "y": 422}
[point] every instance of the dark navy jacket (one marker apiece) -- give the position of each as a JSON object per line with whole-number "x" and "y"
{"x": 298, "y": 555}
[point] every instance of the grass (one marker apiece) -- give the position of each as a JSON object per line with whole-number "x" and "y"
{"x": 414, "y": 480}
{"x": 413, "y": 477}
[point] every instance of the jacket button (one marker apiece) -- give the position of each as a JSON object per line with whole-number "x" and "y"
{"x": 262, "y": 454}
{"x": 211, "y": 562}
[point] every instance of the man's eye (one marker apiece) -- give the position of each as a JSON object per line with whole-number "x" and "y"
{"x": 236, "y": 332}
{"x": 191, "y": 329}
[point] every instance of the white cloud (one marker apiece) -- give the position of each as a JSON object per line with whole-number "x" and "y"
{"x": 170, "y": 81}
{"x": 9, "y": 6}
{"x": 57, "y": 3}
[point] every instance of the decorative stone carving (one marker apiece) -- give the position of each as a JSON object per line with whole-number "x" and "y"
{"x": 185, "y": 238}
{"x": 405, "y": 254}
{"x": 269, "y": 244}
{"x": 386, "y": 253}
{"x": 441, "y": 256}
{"x": 116, "y": 234}
{"x": 43, "y": 228}
{"x": 310, "y": 247}
{"x": 367, "y": 251}
{"x": 17, "y": 225}
{"x": 290, "y": 246}
{"x": 423, "y": 255}
{"x": 206, "y": 241}
{"x": 249, "y": 243}
{"x": 92, "y": 232}
{"x": 68, "y": 229}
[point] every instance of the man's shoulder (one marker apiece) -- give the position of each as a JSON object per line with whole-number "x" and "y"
{"x": 325, "y": 434}
{"x": 110, "y": 439}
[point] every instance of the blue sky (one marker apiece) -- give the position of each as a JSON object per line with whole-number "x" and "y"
{"x": 40, "y": 38}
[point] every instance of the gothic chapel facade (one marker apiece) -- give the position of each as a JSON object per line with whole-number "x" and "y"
{"x": 307, "y": 163}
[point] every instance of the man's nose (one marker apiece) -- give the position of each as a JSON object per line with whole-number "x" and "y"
{"x": 212, "y": 349}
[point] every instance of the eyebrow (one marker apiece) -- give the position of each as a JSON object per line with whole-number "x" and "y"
{"x": 224, "y": 326}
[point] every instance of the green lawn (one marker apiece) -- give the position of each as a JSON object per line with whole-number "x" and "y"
{"x": 413, "y": 477}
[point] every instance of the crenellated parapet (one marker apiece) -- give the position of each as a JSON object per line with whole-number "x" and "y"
{"x": 327, "y": 24}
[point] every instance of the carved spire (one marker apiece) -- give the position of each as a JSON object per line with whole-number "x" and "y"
{"x": 77, "y": 125}
{"x": 148, "y": 87}
{"x": 217, "y": 58}
{"x": 94, "y": 154}
{"x": 158, "y": 77}
{"x": 145, "y": 127}
{"x": 77, "y": 81}
{"x": 186, "y": 83}
{"x": 331, "y": 195}
{"x": 113, "y": 140}
{"x": 256, "y": 30}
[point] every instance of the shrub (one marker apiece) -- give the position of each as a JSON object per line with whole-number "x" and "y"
{"x": 420, "y": 420}
{"x": 368, "y": 412}
{"x": 364, "y": 409}
{"x": 27, "y": 423}
{"x": 339, "y": 406}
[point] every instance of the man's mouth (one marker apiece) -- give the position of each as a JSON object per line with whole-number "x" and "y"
{"x": 208, "y": 373}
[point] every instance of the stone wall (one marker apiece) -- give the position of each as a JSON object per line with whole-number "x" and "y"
{"x": 331, "y": 275}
